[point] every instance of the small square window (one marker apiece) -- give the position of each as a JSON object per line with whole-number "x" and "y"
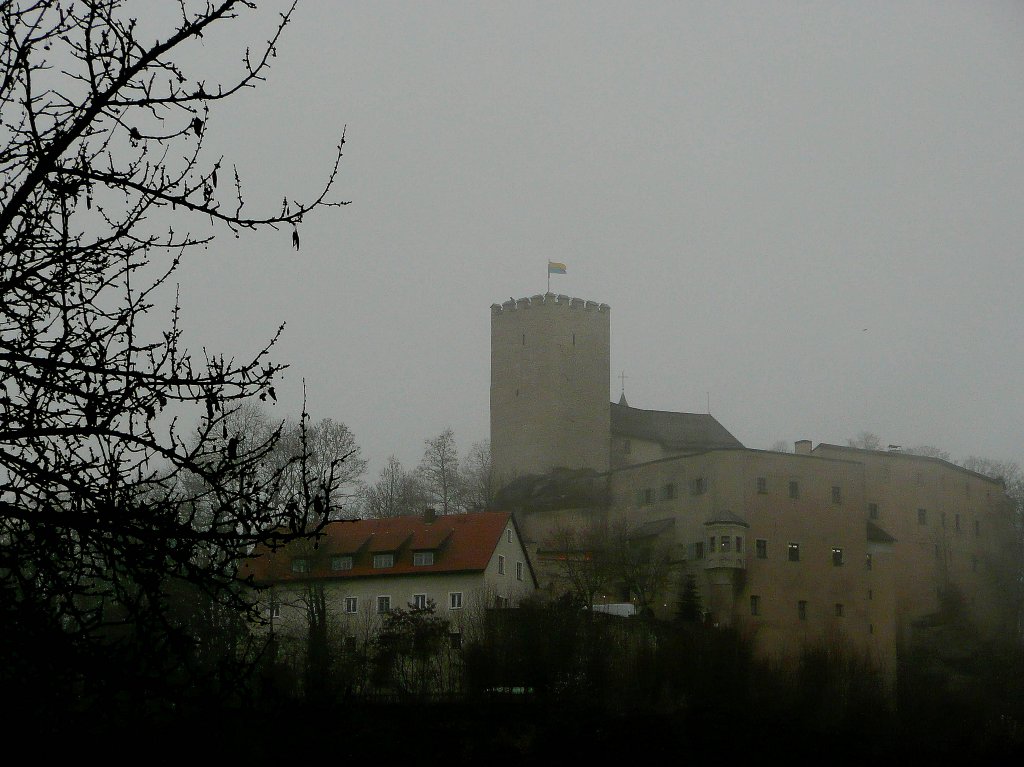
{"x": 519, "y": 571}
{"x": 872, "y": 511}
{"x": 801, "y": 610}
{"x": 761, "y": 548}
{"x": 762, "y": 485}
{"x": 794, "y": 552}
{"x": 839, "y": 610}
{"x": 455, "y": 600}
{"x": 351, "y": 605}
{"x": 922, "y": 516}
{"x": 837, "y": 557}
{"x": 501, "y": 565}
{"x": 755, "y": 605}
{"x": 794, "y": 489}
{"x": 300, "y": 565}
{"x": 419, "y": 601}
{"x": 422, "y": 558}
{"x": 383, "y": 560}
{"x": 383, "y": 605}
{"x": 341, "y": 563}
{"x": 837, "y": 494}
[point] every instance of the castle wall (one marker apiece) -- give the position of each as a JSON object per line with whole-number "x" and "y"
{"x": 550, "y": 385}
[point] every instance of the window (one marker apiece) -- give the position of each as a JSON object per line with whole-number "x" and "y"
{"x": 739, "y": 545}
{"x": 956, "y": 522}
{"x": 645, "y": 497}
{"x": 839, "y": 610}
{"x": 762, "y": 485}
{"x": 501, "y": 565}
{"x": 794, "y": 489}
{"x": 801, "y": 610}
{"x": 383, "y": 560}
{"x": 300, "y": 565}
{"x": 755, "y": 605}
{"x": 871, "y": 628}
{"x": 837, "y": 556}
{"x": 794, "y": 552}
{"x": 508, "y": 535}
{"x": 275, "y": 610}
{"x": 422, "y": 558}
{"x": 977, "y": 527}
{"x": 871, "y": 594}
{"x": 341, "y": 563}
{"x": 351, "y": 605}
{"x": 419, "y": 601}
{"x": 383, "y": 605}
{"x": 867, "y": 561}
{"x": 698, "y": 486}
{"x": 711, "y": 545}
{"x": 922, "y": 516}
{"x": 668, "y": 491}
{"x": 455, "y": 600}
{"x": 519, "y": 571}
{"x": 837, "y": 494}
{"x": 501, "y": 602}
{"x": 761, "y": 548}
{"x": 698, "y": 550}
{"x": 872, "y": 511}
{"x": 726, "y": 543}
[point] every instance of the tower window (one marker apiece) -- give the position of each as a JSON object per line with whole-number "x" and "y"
{"x": 762, "y": 485}
{"x": 837, "y": 556}
{"x": 794, "y": 489}
{"x": 794, "y": 552}
{"x": 837, "y": 494}
{"x": 872, "y": 511}
{"x": 755, "y": 605}
{"x": 801, "y": 609}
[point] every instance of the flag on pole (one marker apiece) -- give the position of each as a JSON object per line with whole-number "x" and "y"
{"x": 555, "y": 268}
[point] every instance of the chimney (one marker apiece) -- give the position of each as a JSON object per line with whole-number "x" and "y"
{"x": 429, "y": 515}
{"x": 802, "y": 447}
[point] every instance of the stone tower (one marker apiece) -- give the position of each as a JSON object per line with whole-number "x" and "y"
{"x": 550, "y": 385}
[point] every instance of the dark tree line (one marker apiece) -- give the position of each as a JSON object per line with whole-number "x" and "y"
{"x": 104, "y": 188}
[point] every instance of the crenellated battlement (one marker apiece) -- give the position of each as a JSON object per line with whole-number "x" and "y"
{"x": 548, "y": 300}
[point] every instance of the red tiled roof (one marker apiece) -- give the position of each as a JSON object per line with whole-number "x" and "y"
{"x": 460, "y": 542}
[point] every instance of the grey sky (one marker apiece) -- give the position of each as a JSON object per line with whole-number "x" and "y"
{"x": 748, "y": 185}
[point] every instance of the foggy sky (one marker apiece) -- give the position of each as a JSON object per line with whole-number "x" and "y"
{"x": 808, "y": 214}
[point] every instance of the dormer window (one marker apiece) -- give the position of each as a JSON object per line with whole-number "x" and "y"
{"x": 383, "y": 560}
{"x": 423, "y": 558}
{"x": 300, "y": 565}
{"x": 341, "y": 563}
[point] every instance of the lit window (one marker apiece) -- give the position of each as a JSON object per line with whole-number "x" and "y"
{"x": 351, "y": 605}
{"x": 794, "y": 489}
{"x": 275, "y": 610}
{"x": 837, "y": 494}
{"x": 726, "y": 543}
{"x": 867, "y": 561}
{"x": 839, "y": 610}
{"x": 794, "y": 552}
{"x": 383, "y": 560}
{"x": 422, "y": 558}
{"x": 755, "y": 605}
{"x": 922, "y": 516}
{"x": 872, "y": 511}
{"x": 837, "y": 556}
{"x": 519, "y": 571}
{"x": 501, "y": 565}
{"x": 761, "y": 548}
{"x": 801, "y": 610}
{"x": 341, "y": 563}
{"x": 455, "y": 600}
{"x": 762, "y": 484}
{"x": 419, "y": 601}
{"x": 300, "y": 565}
{"x": 383, "y": 605}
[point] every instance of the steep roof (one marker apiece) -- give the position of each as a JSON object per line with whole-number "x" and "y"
{"x": 460, "y": 542}
{"x": 674, "y": 431}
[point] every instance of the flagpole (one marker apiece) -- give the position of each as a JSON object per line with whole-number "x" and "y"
{"x": 549, "y": 276}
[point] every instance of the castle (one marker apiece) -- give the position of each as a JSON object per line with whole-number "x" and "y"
{"x": 825, "y": 544}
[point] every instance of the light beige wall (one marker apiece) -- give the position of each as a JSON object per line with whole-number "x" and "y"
{"x": 549, "y": 385}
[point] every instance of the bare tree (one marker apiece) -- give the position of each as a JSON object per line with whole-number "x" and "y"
{"x": 478, "y": 484}
{"x": 439, "y": 470}
{"x": 581, "y": 559}
{"x": 396, "y": 493}
{"x": 865, "y": 440}
{"x": 640, "y": 561}
{"x": 104, "y": 187}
